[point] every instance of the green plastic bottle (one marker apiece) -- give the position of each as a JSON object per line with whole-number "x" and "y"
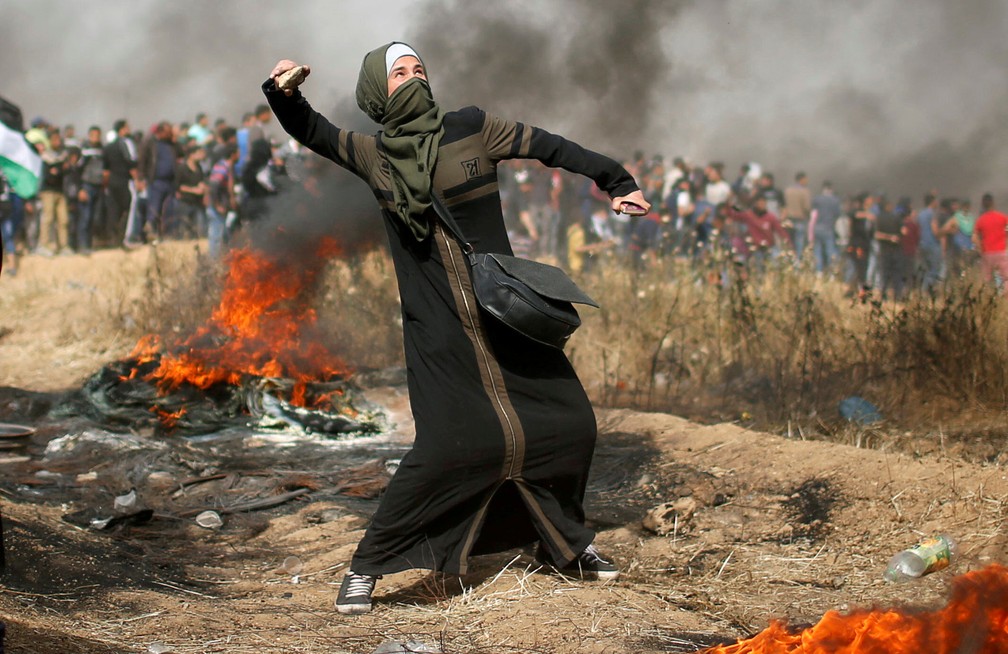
{"x": 921, "y": 559}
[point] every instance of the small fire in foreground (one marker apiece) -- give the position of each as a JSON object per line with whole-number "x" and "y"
{"x": 975, "y": 621}
{"x": 264, "y": 326}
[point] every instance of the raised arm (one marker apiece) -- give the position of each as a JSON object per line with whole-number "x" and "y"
{"x": 510, "y": 140}
{"x": 354, "y": 152}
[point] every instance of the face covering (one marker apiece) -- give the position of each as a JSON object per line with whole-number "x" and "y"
{"x": 411, "y": 122}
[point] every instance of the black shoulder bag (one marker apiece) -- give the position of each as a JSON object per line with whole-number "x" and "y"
{"x": 533, "y": 298}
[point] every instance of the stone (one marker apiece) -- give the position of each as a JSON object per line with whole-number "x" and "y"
{"x": 670, "y": 517}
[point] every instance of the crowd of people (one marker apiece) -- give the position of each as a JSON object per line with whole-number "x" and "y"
{"x": 122, "y": 188}
{"x": 186, "y": 180}
{"x": 871, "y": 241}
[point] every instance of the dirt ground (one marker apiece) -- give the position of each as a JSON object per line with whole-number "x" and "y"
{"x": 777, "y": 527}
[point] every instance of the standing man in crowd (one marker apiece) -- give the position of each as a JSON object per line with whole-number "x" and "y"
{"x": 242, "y": 141}
{"x": 72, "y": 187}
{"x": 958, "y": 232}
{"x": 221, "y": 199}
{"x": 257, "y": 182}
{"x": 70, "y": 139}
{"x": 990, "y": 240}
{"x": 157, "y": 166}
{"x": 191, "y": 194}
{"x": 257, "y": 176}
{"x": 742, "y": 187}
{"x": 889, "y": 235}
{"x": 826, "y": 211}
{"x": 54, "y": 226}
{"x": 909, "y": 241}
{"x": 89, "y": 198}
{"x": 797, "y": 207}
{"x": 930, "y": 249}
{"x": 678, "y": 171}
{"x": 765, "y": 232}
{"x": 120, "y": 181}
{"x": 199, "y": 132}
{"x": 717, "y": 190}
{"x": 226, "y": 136}
{"x": 768, "y": 190}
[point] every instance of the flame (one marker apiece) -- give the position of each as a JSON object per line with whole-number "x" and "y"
{"x": 326, "y": 399}
{"x": 147, "y": 349}
{"x": 264, "y": 326}
{"x": 298, "y": 394}
{"x": 168, "y": 418}
{"x": 975, "y": 620}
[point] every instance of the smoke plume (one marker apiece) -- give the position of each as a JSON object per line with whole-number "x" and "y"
{"x": 878, "y": 95}
{"x": 873, "y": 94}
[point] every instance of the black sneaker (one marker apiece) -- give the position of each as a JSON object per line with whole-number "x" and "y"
{"x": 589, "y": 564}
{"x": 355, "y": 594}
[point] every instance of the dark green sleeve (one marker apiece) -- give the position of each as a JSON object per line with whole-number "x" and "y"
{"x": 506, "y": 139}
{"x": 355, "y": 152}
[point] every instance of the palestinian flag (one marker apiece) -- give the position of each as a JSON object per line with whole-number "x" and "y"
{"x": 19, "y": 162}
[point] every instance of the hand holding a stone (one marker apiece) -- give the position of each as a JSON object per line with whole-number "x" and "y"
{"x": 288, "y": 75}
{"x": 634, "y": 198}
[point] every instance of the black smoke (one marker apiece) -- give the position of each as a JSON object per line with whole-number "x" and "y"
{"x": 594, "y": 70}
{"x": 880, "y": 95}
{"x": 875, "y": 94}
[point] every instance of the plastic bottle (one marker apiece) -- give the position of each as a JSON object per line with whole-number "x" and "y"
{"x": 921, "y": 559}
{"x": 292, "y": 565}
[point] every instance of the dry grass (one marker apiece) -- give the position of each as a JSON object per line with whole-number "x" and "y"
{"x": 180, "y": 289}
{"x": 776, "y": 350}
{"x": 362, "y": 306}
{"x": 786, "y": 346}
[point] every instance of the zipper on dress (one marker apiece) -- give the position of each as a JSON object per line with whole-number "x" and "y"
{"x": 483, "y": 353}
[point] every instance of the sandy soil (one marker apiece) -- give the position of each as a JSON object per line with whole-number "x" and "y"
{"x": 783, "y": 528}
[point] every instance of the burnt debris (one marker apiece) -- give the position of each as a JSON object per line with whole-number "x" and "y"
{"x": 121, "y": 395}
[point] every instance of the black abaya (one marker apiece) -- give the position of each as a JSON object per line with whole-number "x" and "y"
{"x": 504, "y": 430}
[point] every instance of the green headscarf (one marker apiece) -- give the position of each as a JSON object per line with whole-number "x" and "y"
{"x": 411, "y": 123}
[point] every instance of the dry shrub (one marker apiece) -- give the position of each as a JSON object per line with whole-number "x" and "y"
{"x": 710, "y": 339}
{"x": 785, "y": 346}
{"x": 361, "y": 308}
{"x": 956, "y": 342}
{"x": 181, "y": 287}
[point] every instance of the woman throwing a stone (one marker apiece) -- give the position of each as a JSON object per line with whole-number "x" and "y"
{"x": 504, "y": 430}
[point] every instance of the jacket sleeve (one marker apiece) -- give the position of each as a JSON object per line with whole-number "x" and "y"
{"x": 355, "y": 152}
{"x": 506, "y": 139}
